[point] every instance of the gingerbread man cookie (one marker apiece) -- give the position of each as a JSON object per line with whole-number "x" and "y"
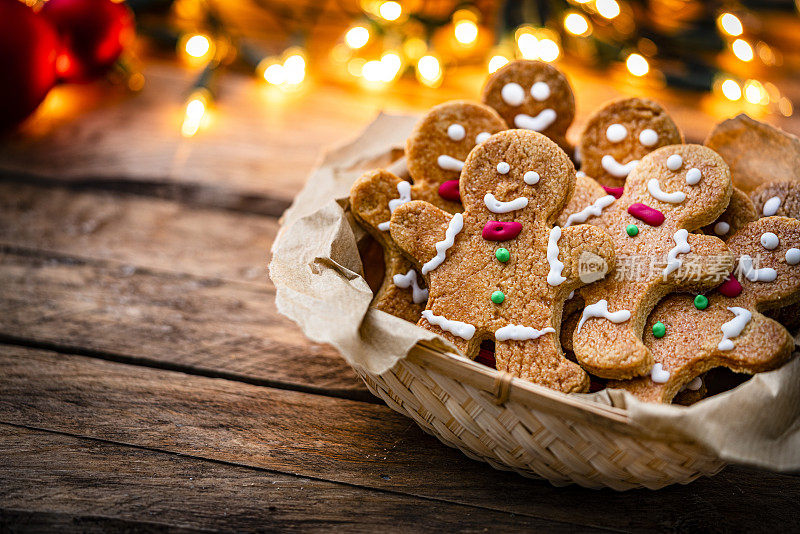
{"x": 673, "y": 191}
{"x": 620, "y": 134}
{"x": 435, "y": 152}
{"x": 501, "y": 269}
{"x": 532, "y": 95}
{"x": 689, "y": 335}
{"x": 739, "y": 212}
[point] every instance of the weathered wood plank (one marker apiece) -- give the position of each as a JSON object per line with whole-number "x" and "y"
{"x": 349, "y": 442}
{"x": 51, "y": 481}
{"x": 201, "y": 325}
{"x": 140, "y": 232}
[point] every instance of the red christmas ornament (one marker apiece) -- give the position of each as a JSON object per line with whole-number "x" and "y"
{"x": 27, "y": 61}
{"x": 93, "y": 35}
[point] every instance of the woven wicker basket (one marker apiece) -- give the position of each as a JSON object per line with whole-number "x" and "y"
{"x": 515, "y": 425}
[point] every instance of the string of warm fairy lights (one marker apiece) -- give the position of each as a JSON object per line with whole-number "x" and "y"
{"x": 389, "y": 40}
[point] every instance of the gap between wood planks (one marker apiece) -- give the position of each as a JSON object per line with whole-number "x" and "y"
{"x": 345, "y": 442}
{"x": 190, "y": 194}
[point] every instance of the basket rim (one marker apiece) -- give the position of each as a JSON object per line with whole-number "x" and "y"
{"x": 529, "y": 394}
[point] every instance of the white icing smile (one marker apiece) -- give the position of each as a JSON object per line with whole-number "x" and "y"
{"x": 765, "y": 274}
{"x": 449, "y": 163}
{"x": 734, "y": 327}
{"x": 498, "y": 206}
{"x": 404, "y": 281}
{"x": 654, "y": 188}
{"x": 614, "y": 168}
{"x": 540, "y": 122}
{"x": 516, "y": 332}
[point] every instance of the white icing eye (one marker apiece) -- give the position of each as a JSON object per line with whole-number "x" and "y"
{"x": 456, "y": 132}
{"x": 793, "y": 256}
{"x": 531, "y": 178}
{"x": 772, "y": 206}
{"x": 648, "y": 137}
{"x": 722, "y": 228}
{"x": 769, "y": 241}
{"x": 674, "y": 162}
{"x": 580, "y": 174}
{"x": 616, "y": 133}
{"x": 513, "y": 94}
{"x": 693, "y": 176}
{"x": 540, "y": 91}
{"x": 503, "y": 167}
{"x": 481, "y": 137}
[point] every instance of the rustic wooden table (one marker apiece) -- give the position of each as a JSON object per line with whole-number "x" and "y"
{"x": 148, "y": 382}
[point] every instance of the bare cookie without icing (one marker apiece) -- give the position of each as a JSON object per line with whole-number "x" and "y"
{"x": 656, "y": 254}
{"x": 755, "y": 152}
{"x": 501, "y": 269}
{"x": 729, "y": 331}
{"x": 532, "y": 95}
{"x": 620, "y": 134}
{"x": 435, "y": 152}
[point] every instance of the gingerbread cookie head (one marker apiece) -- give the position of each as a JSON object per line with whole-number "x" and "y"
{"x": 768, "y": 263}
{"x": 688, "y": 185}
{"x": 441, "y": 141}
{"x": 532, "y": 95}
{"x": 519, "y": 175}
{"x": 620, "y": 134}
{"x": 778, "y": 197}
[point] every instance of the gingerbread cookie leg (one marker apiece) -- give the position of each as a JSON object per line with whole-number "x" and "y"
{"x": 540, "y": 362}
{"x": 689, "y": 335}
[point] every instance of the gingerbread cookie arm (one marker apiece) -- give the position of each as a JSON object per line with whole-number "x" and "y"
{"x": 372, "y": 198}
{"x": 416, "y": 227}
{"x": 588, "y": 252}
{"x": 588, "y": 201}
{"x": 540, "y": 362}
{"x": 697, "y": 340}
{"x": 706, "y": 264}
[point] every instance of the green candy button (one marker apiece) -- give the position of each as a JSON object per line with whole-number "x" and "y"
{"x": 502, "y": 255}
{"x": 659, "y": 330}
{"x": 701, "y": 302}
{"x": 632, "y": 230}
{"x": 498, "y": 297}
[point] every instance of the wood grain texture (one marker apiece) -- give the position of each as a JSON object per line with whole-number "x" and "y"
{"x": 43, "y": 486}
{"x": 347, "y": 442}
{"x": 138, "y": 232}
{"x": 201, "y": 325}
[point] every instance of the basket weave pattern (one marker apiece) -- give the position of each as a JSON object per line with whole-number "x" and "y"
{"x": 510, "y": 435}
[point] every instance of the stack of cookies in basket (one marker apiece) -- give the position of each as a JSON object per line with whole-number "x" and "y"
{"x": 647, "y": 265}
